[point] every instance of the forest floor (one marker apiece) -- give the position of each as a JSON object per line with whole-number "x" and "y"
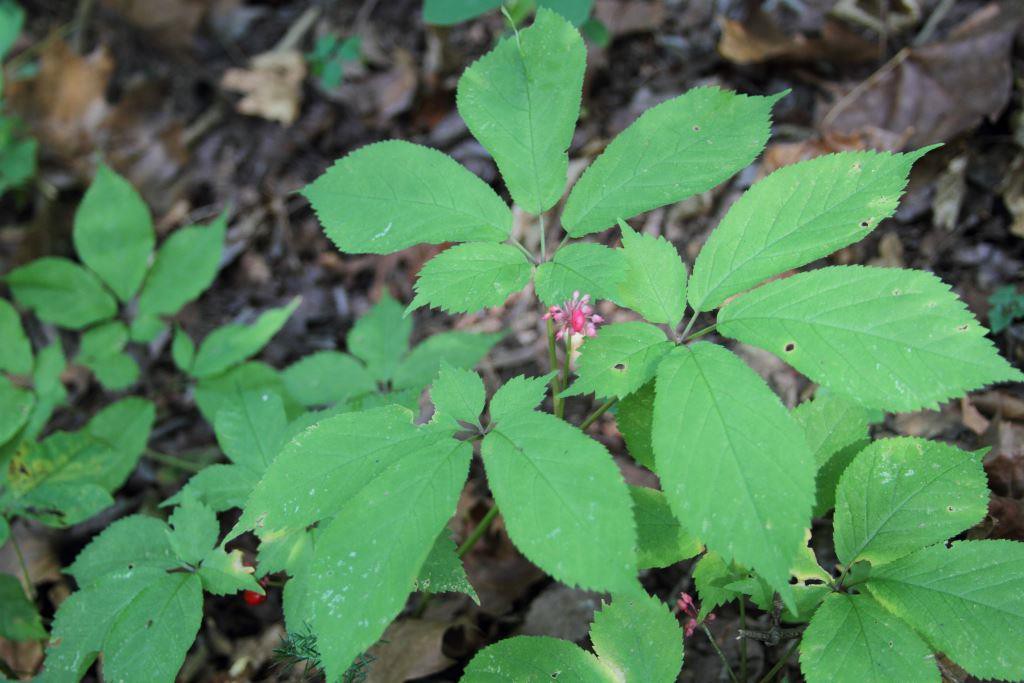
{"x": 141, "y": 84}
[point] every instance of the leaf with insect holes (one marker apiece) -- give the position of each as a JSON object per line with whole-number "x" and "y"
{"x": 732, "y": 461}
{"x": 852, "y": 639}
{"x": 518, "y": 395}
{"x": 619, "y": 360}
{"x": 661, "y": 540}
{"x": 899, "y": 495}
{"x": 889, "y": 338}
{"x": 61, "y": 292}
{"x": 16, "y": 353}
{"x": 458, "y": 396}
{"x": 311, "y": 478}
{"x": 798, "y": 214}
{"x": 563, "y": 500}
{"x": 638, "y": 638}
{"x": 521, "y": 101}
{"x": 588, "y": 268}
{"x": 965, "y": 600}
{"x": 391, "y": 195}
{"x": 458, "y": 349}
{"x": 185, "y": 266}
{"x": 836, "y": 429}
{"x": 655, "y": 281}
{"x": 442, "y": 571}
{"x": 234, "y": 343}
{"x": 327, "y": 377}
{"x": 368, "y": 557}
{"x": 450, "y": 12}
{"x": 677, "y": 149}
{"x": 535, "y": 659}
{"x": 472, "y": 276}
{"x": 113, "y": 232}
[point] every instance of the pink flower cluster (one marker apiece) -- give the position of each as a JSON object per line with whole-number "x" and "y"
{"x": 687, "y": 606}
{"x": 575, "y": 316}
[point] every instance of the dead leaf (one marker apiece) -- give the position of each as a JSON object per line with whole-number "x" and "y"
{"x": 394, "y": 90}
{"x": 890, "y": 252}
{"x": 972, "y": 419}
{"x": 561, "y": 612}
{"x": 624, "y": 17}
{"x": 932, "y": 93}
{"x": 759, "y": 39}
{"x": 996, "y": 402}
{"x": 950, "y": 188}
{"x": 927, "y": 424}
{"x": 409, "y": 649}
{"x": 171, "y": 22}
{"x": 898, "y": 16}
{"x": 272, "y": 85}
{"x": 1013, "y": 195}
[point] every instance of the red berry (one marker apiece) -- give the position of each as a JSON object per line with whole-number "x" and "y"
{"x": 253, "y": 598}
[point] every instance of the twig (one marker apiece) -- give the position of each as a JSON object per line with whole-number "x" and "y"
{"x": 781, "y": 663}
{"x": 30, "y": 589}
{"x": 81, "y": 22}
{"x": 173, "y": 461}
{"x": 556, "y": 384}
{"x": 934, "y": 19}
{"x": 298, "y": 29}
{"x": 478, "y": 532}
{"x": 601, "y": 409}
{"x": 721, "y": 655}
{"x": 700, "y": 333}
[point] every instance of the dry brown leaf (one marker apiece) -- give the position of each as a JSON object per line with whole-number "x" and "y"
{"x": 623, "y": 17}
{"x": 272, "y": 85}
{"x": 394, "y": 90}
{"x": 759, "y": 39}
{"x": 171, "y": 22}
{"x": 897, "y": 16}
{"x": 950, "y": 188}
{"x": 409, "y": 649}
{"x": 779, "y": 154}
{"x": 996, "y": 402}
{"x": 932, "y": 93}
{"x": 1013, "y": 195}
{"x": 561, "y": 612}
{"x": 972, "y": 419}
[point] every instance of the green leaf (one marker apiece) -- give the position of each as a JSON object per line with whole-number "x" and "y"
{"x": 152, "y": 635}
{"x": 61, "y": 292}
{"x": 251, "y": 432}
{"x": 195, "y": 530}
{"x": 102, "y": 341}
{"x": 470, "y": 277}
{"x": 901, "y": 494}
{"x": 145, "y": 328}
{"x": 234, "y": 343}
{"x": 619, "y": 360}
{"x": 798, "y": 214}
{"x": 50, "y": 391}
{"x": 458, "y": 396}
{"x": 62, "y": 503}
{"x": 224, "y": 573}
{"x": 116, "y": 372}
{"x": 635, "y": 418}
{"x": 327, "y": 377}
{"x": 131, "y": 543}
{"x": 638, "y": 638}
{"x": 183, "y": 350}
{"x": 359, "y": 583}
{"x": 381, "y": 338}
{"x": 312, "y": 478}
{"x": 5, "y": 531}
{"x": 518, "y": 395}
{"x": 965, "y": 600}
{"x": 521, "y": 101}
{"x": 576, "y": 11}
{"x": 710, "y": 575}
{"x": 15, "y": 407}
{"x": 113, "y": 232}
{"x": 677, "y": 149}
{"x": 732, "y": 461}
{"x": 19, "y": 619}
{"x": 442, "y": 572}
{"x": 391, "y": 195}
{"x": 123, "y": 427}
{"x": 585, "y": 267}
{"x": 851, "y": 639}
{"x": 16, "y": 354}
{"x": 458, "y": 349}
{"x": 535, "y": 659}
{"x": 661, "y": 540}
{"x": 563, "y": 499}
{"x": 185, "y": 266}
{"x": 12, "y": 18}
{"x": 898, "y": 340}
{"x": 836, "y": 429}
{"x": 17, "y": 157}
{"x": 289, "y": 553}
{"x": 215, "y": 393}
{"x": 450, "y": 12}
{"x": 221, "y": 487}
{"x": 655, "y": 281}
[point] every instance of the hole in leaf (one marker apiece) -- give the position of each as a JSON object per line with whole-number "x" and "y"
{"x": 864, "y": 224}
{"x": 856, "y": 166}
{"x": 789, "y": 346}
{"x": 619, "y": 366}
{"x": 149, "y": 623}
{"x": 696, "y": 129}
{"x": 949, "y": 508}
{"x": 962, "y": 328}
{"x": 897, "y": 292}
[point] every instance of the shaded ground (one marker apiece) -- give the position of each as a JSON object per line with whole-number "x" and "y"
{"x": 140, "y": 84}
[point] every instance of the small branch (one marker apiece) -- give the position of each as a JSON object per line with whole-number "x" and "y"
{"x": 173, "y": 461}
{"x": 556, "y": 384}
{"x": 700, "y": 333}
{"x": 937, "y": 15}
{"x": 781, "y": 663}
{"x": 718, "y": 650}
{"x": 526, "y": 252}
{"x": 565, "y": 373}
{"x": 540, "y": 222}
{"x": 743, "y": 640}
{"x": 601, "y": 410}
{"x": 30, "y": 589}
{"x": 478, "y": 532}
{"x": 689, "y": 325}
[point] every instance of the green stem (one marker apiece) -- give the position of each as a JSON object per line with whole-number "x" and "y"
{"x": 718, "y": 650}
{"x": 743, "y": 638}
{"x": 689, "y": 325}
{"x": 700, "y": 333}
{"x": 30, "y": 589}
{"x": 478, "y": 532}
{"x": 543, "y": 237}
{"x": 598, "y": 412}
{"x": 781, "y": 663}
{"x": 173, "y": 461}
{"x": 556, "y": 385}
{"x": 530, "y": 257}
{"x": 565, "y": 372}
